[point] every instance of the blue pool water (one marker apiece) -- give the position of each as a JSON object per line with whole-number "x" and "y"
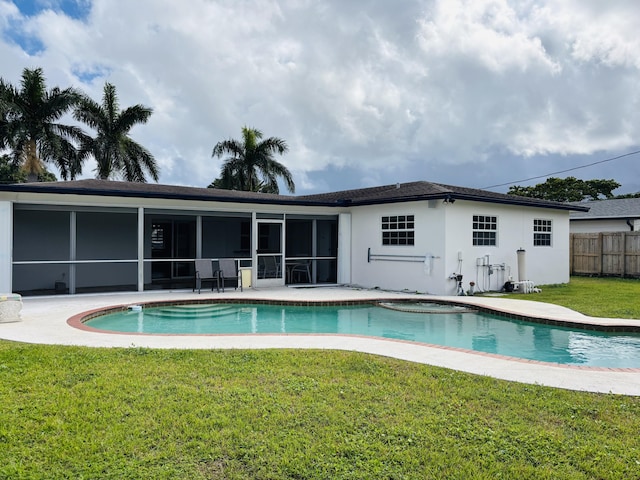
{"x": 444, "y": 326}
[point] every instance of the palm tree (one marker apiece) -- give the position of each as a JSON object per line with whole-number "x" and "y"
{"x": 4, "y": 117}
{"x": 28, "y": 125}
{"x": 251, "y": 166}
{"x": 116, "y": 154}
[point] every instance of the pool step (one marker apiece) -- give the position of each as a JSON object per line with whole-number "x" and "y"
{"x": 423, "y": 307}
{"x": 192, "y": 311}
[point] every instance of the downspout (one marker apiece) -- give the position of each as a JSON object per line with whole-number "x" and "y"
{"x": 630, "y": 225}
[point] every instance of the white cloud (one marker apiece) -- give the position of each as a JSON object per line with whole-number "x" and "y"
{"x": 8, "y": 13}
{"x": 384, "y": 91}
{"x": 597, "y": 32}
{"x": 489, "y": 32}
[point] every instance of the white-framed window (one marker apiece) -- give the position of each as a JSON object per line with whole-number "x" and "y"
{"x": 398, "y": 230}
{"x": 485, "y": 230}
{"x": 541, "y": 232}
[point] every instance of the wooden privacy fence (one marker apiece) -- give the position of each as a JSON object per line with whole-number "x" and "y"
{"x": 608, "y": 253}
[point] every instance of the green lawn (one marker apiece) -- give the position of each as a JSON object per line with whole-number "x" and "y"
{"x": 597, "y": 297}
{"x": 94, "y": 413}
{"x": 72, "y": 412}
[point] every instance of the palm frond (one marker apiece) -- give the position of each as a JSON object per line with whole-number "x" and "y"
{"x": 116, "y": 154}
{"x": 132, "y": 116}
{"x": 137, "y": 160}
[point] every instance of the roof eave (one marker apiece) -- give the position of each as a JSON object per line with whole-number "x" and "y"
{"x": 608, "y": 217}
{"x": 520, "y": 201}
{"x": 473, "y": 198}
{"x": 159, "y": 195}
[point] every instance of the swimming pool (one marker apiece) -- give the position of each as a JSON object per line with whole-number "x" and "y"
{"x": 447, "y": 326}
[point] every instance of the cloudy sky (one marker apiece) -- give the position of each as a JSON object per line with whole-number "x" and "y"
{"x": 472, "y": 93}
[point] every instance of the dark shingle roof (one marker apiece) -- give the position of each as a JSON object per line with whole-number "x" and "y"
{"x": 111, "y": 188}
{"x": 402, "y": 192}
{"x": 614, "y": 208}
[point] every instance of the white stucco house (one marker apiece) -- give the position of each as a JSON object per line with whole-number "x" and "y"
{"x": 94, "y": 236}
{"x": 614, "y": 215}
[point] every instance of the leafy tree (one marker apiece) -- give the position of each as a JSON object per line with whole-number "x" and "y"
{"x": 29, "y": 125}
{"x": 250, "y": 165}
{"x": 10, "y": 172}
{"x": 4, "y": 122}
{"x": 596, "y": 188}
{"x": 628, "y": 195}
{"x": 116, "y": 154}
{"x": 568, "y": 189}
{"x": 47, "y": 176}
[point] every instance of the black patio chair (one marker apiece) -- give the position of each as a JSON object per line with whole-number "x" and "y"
{"x": 228, "y": 270}
{"x": 204, "y": 271}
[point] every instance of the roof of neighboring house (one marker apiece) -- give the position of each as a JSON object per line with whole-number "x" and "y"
{"x": 401, "y": 192}
{"x": 614, "y": 208}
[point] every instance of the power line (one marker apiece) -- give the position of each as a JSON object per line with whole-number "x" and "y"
{"x": 564, "y": 171}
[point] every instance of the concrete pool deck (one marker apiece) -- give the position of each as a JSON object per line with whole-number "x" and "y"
{"x": 44, "y": 321}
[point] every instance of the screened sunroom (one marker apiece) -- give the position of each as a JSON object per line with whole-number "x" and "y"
{"x": 61, "y": 249}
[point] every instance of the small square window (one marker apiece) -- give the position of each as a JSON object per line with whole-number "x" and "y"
{"x": 541, "y": 232}
{"x": 485, "y": 230}
{"x": 398, "y": 230}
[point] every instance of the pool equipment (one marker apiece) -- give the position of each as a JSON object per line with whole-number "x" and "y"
{"x": 459, "y": 288}
{"x": 522, "y": 265}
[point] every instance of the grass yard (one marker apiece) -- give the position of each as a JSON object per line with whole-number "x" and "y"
{"x": 596, "y": 297}
{"x": 94, "y": 413}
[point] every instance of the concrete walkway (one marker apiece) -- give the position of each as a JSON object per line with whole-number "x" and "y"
{"x": 44, "y": 320}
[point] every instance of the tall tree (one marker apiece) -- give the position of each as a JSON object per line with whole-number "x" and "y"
{"x": 4, "y": 122}
{"x": 628, "y": 195}
{"x": 10, "y": 172}
{"x": 250, "y": 165}
{"x": 116, "y": 154}
{"x": 568, "y": 189}
{"x": 29, "y": 116}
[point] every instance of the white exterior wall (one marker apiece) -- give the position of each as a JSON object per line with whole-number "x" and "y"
{"x": 411, "y": 274}
{"x": 444, "y": 231}
{"x": 602, "y": 225}
{"x": 6, "y": 242}
{"x": 544, "y": 265}
{"x": 344, "y": 248}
